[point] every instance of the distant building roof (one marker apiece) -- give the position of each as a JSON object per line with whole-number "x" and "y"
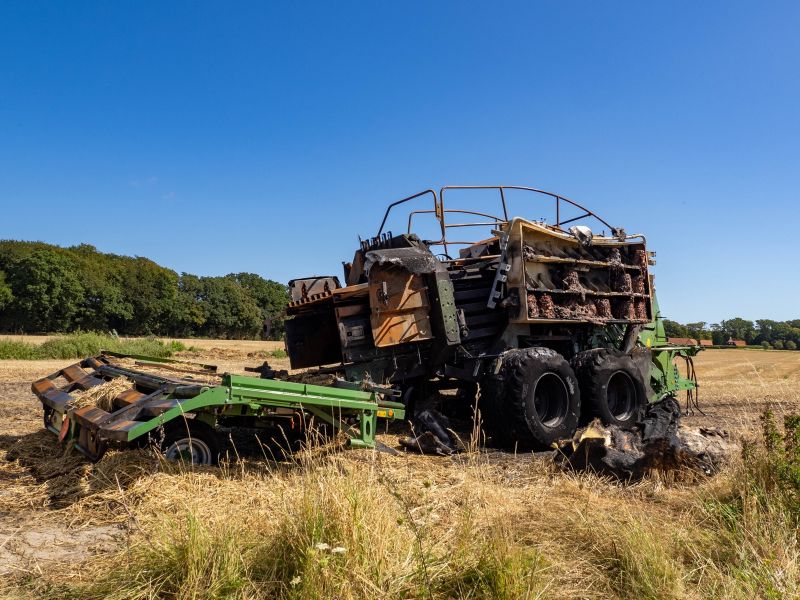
{"x": 706, "y": 343}
{"x": 682, "y": 341}
{"x": 733, "y": 342}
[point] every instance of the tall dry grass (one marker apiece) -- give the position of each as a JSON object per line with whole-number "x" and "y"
{"x": 481, "y": 525}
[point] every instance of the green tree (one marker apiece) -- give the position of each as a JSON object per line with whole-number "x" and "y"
{"x": 150, "y": 291}
{"x": 739, "y": 329}
{"x": 228, "y": 309}
{"x": 675, "y": 329}
{"x": 189, "y": 317}
{"x": 698, "y": 331}
{"x": 270, "y": 296}
{"x": 778, "y": 344}
{"x": 790, "y": 345}
{"x": 718, "y": 335}
{"x": 47, "y": 292}
{"x": 104, "y": 305}
{"x": 6, "y": 296}
{"x": 766, "y": 345}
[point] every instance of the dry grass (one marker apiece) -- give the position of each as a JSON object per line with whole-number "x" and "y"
{"x": 102, "y": 396}
{"x": 361, "y": 524}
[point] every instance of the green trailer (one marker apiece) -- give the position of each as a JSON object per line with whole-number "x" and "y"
{"x": 181, "y": 406}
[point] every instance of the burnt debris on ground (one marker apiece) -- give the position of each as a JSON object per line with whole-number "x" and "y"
{"x": 657, "y": 444}
{"x": 431, "y": 435}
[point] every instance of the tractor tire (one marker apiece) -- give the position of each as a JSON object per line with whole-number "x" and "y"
{"x": 533, "y": 402}
{"x": 612, "y": 387}
{"x": 190, "y": 441}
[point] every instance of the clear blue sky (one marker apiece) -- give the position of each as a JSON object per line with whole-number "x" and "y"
{"x": 264, "y": 137}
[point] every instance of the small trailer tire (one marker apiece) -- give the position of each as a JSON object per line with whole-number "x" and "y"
{"x": 191, "y": 441}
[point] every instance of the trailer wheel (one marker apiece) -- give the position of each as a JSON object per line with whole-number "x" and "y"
{"x": 612, "y": 386}
{"x": 533, "y": 401}
{"x": 191, "y": 441}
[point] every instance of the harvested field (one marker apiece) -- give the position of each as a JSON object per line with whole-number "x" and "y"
{"x": 360, "y": 524}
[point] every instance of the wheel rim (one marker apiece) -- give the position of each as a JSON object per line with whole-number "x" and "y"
{"x": 190, "y": 450}
{"x": 551, "y": 400}
{"x": 621, "y": 396}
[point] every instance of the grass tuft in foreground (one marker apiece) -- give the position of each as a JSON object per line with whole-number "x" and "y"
{"x": 757, "y": 550}
{"x": 324, "y": 529}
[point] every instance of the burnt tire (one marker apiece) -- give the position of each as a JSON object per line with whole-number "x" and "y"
{"x": 612, "y": 387}
{"x": 190, "y": 441}
{"x": 532, "y": 402}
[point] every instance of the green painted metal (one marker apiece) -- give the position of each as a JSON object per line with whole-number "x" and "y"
{"x": 248, "y": 396}
{"x": 216, "y": 396}
{"x": 665, "y": 376}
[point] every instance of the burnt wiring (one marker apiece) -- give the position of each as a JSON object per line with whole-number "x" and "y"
{"x": 692, "y": 401}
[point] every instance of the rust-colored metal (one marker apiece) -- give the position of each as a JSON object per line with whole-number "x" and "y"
{"x": 441, "y": 212}
{"x": 400, "y": 307}
{"x": 127, "y": 397}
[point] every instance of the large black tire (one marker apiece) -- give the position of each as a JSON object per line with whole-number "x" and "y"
{"x": 612, "y": 387}
{"x": 190, "y": 441}
{"x": 533, "y": 401}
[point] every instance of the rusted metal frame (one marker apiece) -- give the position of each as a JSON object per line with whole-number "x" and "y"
{"x": 458, "y": 243}
{"x": 393, "y": 204}
{"x": 175, "y": 387}
{"x": 489, "y": 259}
{"x": 145, "y": 363}
{"x": 578, "y": 218}
{"x": 149, "y": 359}
{"x": 128, "y": 412}
{"x": 440, "y": 211}
{"x": 497, "y": 220}
{"x": 472, "y": 224}
{"x": 503, "y": 200}
{"x": 417, "y": 212}
{"x": 474, "y": 212}
{"x": 444, "y": 226}
{"x": 558, "y": 198}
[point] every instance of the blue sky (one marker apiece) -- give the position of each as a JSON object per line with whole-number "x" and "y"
{"x": 264, "y": 137}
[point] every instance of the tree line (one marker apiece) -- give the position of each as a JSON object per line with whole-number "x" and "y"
{"x": 48, "y": 289}
{"x": 764, "y": 332}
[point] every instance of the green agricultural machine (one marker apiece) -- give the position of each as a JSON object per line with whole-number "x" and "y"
{"x": 539, "y": 324}
{"x": 552, "y": 322}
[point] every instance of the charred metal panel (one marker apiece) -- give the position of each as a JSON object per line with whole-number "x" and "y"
{"x": 413, "y": 260}
{"x": 398, "y": 294}
{"x": 400, "y": 306}
{"x": 310, "y": 288}
{"x": 577, "y": 276}
{"x": 355, "y": 331}
{"x": 312, "y": 338}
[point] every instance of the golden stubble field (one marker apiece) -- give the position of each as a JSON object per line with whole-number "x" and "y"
{"x": 480, "y": 524}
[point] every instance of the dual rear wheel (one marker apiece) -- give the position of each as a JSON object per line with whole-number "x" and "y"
{"x": 612, "y": 387}
{"x": 538, "y": 398}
